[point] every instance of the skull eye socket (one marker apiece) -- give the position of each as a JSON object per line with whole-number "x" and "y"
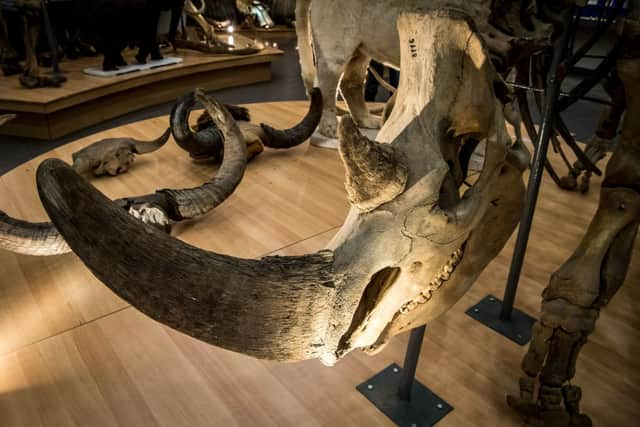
{"x": 465, "y": 157}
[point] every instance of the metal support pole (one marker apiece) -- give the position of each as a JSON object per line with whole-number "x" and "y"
{"x": 396, "y": 393}
{"x": 554, "y": 81}
{"x": 411, "y": 362}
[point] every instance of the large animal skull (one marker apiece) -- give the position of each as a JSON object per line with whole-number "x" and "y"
{"x": 409, "y": 249}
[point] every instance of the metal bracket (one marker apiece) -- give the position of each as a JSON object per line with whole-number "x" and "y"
{"x": 423, "y": 409}
{"x": 517, "y": 328}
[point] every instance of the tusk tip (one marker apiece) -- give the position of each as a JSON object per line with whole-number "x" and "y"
{"x": 56, "y": 182}
{"x": 49, "y": 166}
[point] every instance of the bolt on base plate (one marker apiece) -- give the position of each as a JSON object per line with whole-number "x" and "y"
{"x": 517, "y": 329}
{"x": 424, "y": 409}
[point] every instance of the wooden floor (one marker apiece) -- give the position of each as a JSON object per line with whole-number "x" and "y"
{"x": 72, "y": 353}
{"x": 84, "y": 100}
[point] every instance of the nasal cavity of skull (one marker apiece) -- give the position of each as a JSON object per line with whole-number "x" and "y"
{"x": 379, "y": 284}
{"x": 465, "y": 157}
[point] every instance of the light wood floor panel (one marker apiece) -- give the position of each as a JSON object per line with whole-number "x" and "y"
{"x": 72, "y": 353}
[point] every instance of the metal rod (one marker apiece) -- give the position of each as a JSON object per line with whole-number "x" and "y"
{"x": 411, "y": 363}
{"x": 533, "y": 188}
{"x": 562, "y": 94}
{"x": 51, "y": 40}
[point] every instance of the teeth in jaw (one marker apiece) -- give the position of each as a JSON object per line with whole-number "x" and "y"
{"x": 442, "y": 276}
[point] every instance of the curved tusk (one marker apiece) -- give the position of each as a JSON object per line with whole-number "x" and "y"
{"x": 298, "y": 134}
{"x": 144, "y": 147}
{"x": 375, "y": 173}
{"x": 28, "y": 238}
{"x": 274, "y": 308}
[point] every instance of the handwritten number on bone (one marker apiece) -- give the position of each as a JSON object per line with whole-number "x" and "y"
{"x": 413, "y": 47}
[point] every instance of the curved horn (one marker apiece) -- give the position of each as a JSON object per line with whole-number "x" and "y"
{"x": 144, "y": 147}
{"x": 237, "y": 112}
{"x": 275, "y": 308}
{"x": 194, "y": 202}
{"x": 6, "y": 117}
{"x": 375, "y": 173}
{"x": 298, "y": 134}
{"x": 176, "y": 205}
{"x": 203, "y": 143}
{"x": 28, "y": 238}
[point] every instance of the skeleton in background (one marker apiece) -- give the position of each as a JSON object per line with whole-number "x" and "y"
{"x": 255, "y": 14}
{"x": 212, "y": 43}
{"x": 592, "y": 275}
{"x": 343, "y": 37}
{"x": 31, "y": 12}
{"x": 603, "y": 140}
{"x": 410, "y": 247}
{"x": 9, "y": 63}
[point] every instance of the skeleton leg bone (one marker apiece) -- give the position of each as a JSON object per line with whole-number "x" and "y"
{"x": 589, "y": 279}
{"x": 328, "y": 78}
{"x": 352, "y": 88}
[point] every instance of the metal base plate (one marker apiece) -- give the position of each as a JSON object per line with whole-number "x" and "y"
{"x": 487, "y": 312}
{"x": 424, "y": 408}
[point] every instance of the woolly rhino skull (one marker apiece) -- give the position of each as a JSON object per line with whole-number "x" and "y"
{"x": 410, "y": 247}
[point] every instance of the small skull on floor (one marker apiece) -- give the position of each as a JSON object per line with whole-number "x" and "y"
{"x": 113, "y": 156}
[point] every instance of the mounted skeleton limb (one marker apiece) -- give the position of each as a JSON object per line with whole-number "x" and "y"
{"x": 602, "y": 142}
{"x": 588, "y": 280}
{"x": 335, "y": 38}
{"x": 410, "y": 247}
{"x": 31, "y": 12}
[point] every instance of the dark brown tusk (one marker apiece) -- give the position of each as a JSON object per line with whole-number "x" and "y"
{"x": 275, "y": 308}
{"x": 288, "y": 138}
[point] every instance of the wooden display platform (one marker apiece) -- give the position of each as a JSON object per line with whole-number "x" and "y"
{"x": 74, "y": 354}
{"x": 83, "y": 101}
